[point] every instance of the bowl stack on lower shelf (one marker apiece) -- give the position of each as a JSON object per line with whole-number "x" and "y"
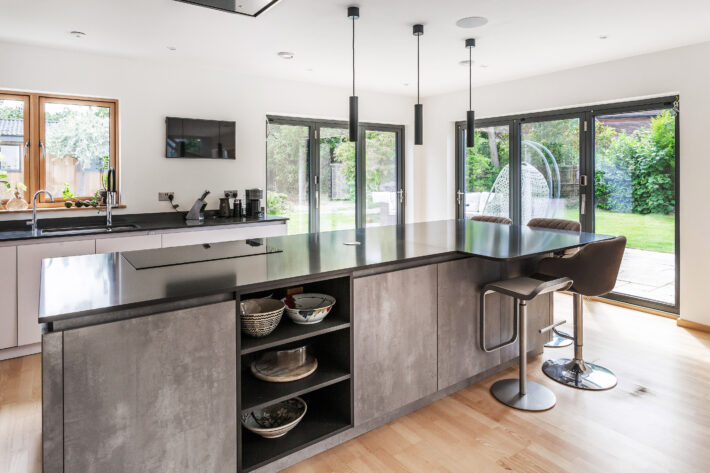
{"x": 260, "y": 317}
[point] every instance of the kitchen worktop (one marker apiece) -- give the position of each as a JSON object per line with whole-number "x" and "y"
{"x": 19, "y": 230}
{"x": 84, "y": 285}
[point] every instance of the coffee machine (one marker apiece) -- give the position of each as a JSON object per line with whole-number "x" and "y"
{"x": 253, "y": 202}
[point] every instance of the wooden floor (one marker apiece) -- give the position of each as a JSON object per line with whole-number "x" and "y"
{"x": 656, "y": 420}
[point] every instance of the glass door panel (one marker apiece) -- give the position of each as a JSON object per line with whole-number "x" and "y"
{"x": 14, "y": 135}
{"x": 288, "y": 175}
{"x": 381, "y": 196}
{"x": 550, "y": 159}
{"x": 336, "y": 199}
{"x": 76, "y": 142}
{"x": 486, "y": 180}
{"x": 635, "y": 196}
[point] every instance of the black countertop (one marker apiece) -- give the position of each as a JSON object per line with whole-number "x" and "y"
{"x": 86, "y": 285}
{"x": 19, "y": 230}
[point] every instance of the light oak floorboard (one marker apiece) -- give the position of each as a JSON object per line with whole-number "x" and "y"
{"x": 656, "y": 420}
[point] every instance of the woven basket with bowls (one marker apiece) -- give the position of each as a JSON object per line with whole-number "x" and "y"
{"x": 261, "y": 316}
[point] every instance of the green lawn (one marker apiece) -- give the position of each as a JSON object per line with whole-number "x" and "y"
{"x": 652, "y": 232}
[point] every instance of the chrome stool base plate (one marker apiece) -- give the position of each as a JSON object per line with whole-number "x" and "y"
{"x": 538, "y": 397}
{"x": 559, "y": 342}
{"x": 578, "y": 374}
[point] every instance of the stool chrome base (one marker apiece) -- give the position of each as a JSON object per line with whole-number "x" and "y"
{"x": 558, "y": 341}
{"x": 538, "y": 397}
{"x": 579, "y": 374}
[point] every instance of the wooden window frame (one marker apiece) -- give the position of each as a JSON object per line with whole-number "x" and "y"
{"x": 26, "y": 171}
{"x": 34, "y": 162}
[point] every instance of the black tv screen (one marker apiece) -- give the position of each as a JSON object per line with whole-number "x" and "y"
{"x": 192, "y": 138}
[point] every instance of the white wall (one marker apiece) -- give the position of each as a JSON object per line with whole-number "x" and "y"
{"x": 148, "y": 92}
{"x": 685, "y": 71}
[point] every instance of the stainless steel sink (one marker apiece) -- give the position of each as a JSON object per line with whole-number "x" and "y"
{"x": 91, "y": 229}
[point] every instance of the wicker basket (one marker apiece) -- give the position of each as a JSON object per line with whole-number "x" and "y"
{"x": 261, "y": 316}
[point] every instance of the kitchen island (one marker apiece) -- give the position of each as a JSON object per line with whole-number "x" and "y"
{"x": 145, "y": 367}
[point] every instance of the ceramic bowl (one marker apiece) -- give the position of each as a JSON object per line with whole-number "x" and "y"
{"x": 261, "y": 316}
{"x": 276, "y": 420}
{"x": 308, "y": 308}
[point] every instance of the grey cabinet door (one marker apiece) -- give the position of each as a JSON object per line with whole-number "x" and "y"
{"x": 153, "y": 394}
{"x": 459, "y": 354}
{"x": 394, "y": 323}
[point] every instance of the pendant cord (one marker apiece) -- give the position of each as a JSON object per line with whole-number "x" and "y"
{"x": 470, "y": 65}
{"x": 417, "y": 69}
{"x": 353, "y": 56}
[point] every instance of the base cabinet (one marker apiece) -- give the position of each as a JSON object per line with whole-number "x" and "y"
{"x": 152, "y": 394}
{"x": 394, "y": 323}
{"x": 460, "y": 356}
{"x": 8, "y": 297}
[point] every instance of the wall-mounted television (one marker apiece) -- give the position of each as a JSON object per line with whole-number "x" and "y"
{"x": 193, "y": 138}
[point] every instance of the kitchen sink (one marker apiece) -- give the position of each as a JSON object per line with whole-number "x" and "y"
{"x": 91, "y": 229}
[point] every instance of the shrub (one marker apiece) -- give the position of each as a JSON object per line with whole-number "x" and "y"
{"x": 276, "y": 203}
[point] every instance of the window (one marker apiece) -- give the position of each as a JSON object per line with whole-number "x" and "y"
{"x": 614, "y": 168}
{"x": 334, "y": 184}
{"x": 56, "y": 143}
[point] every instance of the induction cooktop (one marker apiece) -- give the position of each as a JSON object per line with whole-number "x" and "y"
{"x": 147, "y": 259}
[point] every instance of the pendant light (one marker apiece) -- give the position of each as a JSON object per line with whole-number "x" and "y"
{"x": 418, "y": 30}
{"x": 470, "y": 44}
{"x": 353, "y": 14}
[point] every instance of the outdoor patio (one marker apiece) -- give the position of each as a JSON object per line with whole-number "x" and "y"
{"x": 647, "y": 274}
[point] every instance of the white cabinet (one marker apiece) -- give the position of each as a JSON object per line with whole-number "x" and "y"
{"x": 198, "y": 237}
{"x": 128, "y": 243}
{"x": 8, "y": 297}
{"x": 29, "y": 266}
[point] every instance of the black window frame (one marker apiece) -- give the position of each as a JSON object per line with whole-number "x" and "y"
{"x": 314, "y": 126}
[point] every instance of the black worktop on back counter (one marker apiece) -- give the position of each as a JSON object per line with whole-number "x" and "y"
{"x": 86, "y": 285}
{"x": 19, "y": 229}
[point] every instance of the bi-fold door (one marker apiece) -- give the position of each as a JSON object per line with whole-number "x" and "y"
{"x": 613, "y": 168}
{"x": 321, "y": 181}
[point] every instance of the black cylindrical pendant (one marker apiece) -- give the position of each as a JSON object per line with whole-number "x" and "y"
{"x": 353, "y": 118}
{"x": 418, "y": 125}
{"x": 470, "y": 131}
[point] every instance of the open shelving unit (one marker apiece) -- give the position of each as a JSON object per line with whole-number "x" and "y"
{"x": 327, "y": 392}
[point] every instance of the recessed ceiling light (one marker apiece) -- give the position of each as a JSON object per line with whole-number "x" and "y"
{"x": 471, "y": 22}
{"x": 286, "y": 55}
{"x": 77, "y": 34}
{"x": 171, "y": 48}
{"x": 406, "y": 84}
{"x": 483, "y": 66}
{"x": 603, "y": 36}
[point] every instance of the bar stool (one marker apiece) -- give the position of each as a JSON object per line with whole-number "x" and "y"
{"x": 559, "y": 339}
{"x": 492, "y": 219}
{"x": 520, "y": 393}
{"x": 594, "y": 270}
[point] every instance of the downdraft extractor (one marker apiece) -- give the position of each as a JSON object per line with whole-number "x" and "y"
{"x": 243, "y": 7}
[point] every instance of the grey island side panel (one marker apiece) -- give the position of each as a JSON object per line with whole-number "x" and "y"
{"x": 153, "y": 394}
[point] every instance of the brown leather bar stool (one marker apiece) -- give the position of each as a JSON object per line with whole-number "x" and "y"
{"x": 492, "y": 219}
{"x": 520, "y": 393}
{"x": 559, "y": 339}
{"x": 594, "y": 270}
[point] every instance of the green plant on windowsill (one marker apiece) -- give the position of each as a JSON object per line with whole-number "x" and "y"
{"x": 68, "y": 195}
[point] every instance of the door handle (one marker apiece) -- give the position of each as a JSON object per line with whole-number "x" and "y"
{"x": 458, "y": 197}
{"x": 401, "y": 196}
{"x": 44, "y": 151}
{"x": 583, "y": 205}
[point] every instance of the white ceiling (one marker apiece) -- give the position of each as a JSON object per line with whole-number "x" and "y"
{"x": 522, "y": 38}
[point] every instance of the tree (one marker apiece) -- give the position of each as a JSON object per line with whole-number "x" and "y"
{"x": 79, "y": 132}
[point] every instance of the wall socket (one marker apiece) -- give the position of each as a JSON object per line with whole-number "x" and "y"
{"x": 231, "y": 193}
{"x": 165, "y": 196}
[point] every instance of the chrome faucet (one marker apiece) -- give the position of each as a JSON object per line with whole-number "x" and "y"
{"x": 35, "y": 232}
